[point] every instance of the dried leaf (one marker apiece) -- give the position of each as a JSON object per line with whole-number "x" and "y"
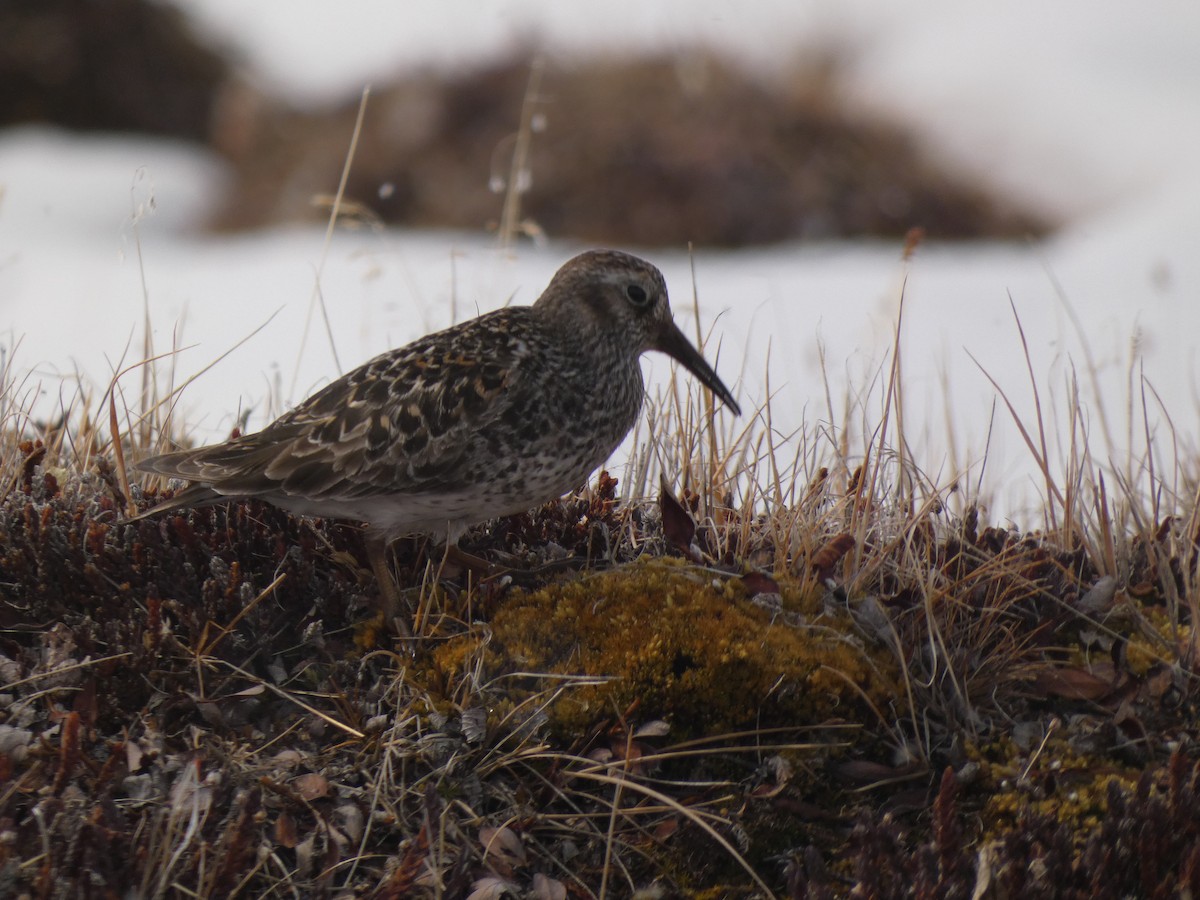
{"x": 912, "y": 240}
{"x": 133, "y": 756}
{"x": 986, "y": 863}
{"x": 1072, "y": 684}
{"x": 68, "y": 752}
{"x": 190, "y": 795}
{"x": 350, "y": 817}
{"x": 653, "y": 728}
{"x": 210, "y": 712}
{"x": 253, "y": 691}
{"x": 863, "y": 771}
{"x": 666, "y": 828}
{"x": 474, "y": 724}
{"x": 311, "y": 786}
{"x": 1159, "y": 680}
{"x": 85, "y": 705}
{"x": 1027, "y": 734}
{"x": 832, "y": 551}
{"x": 678, "y": 527}
{"x": 855, "y": 479}
{"x": 817, "y": 485}
{"x": 871, "y": 616}
{"x": 629, "y": 752}
{"x": 759, "y": 583}
{"x": 781, "y": 770}
{"x": 547, "y": 888}
{"x": 912, "y": 800}
{"x": 288, "y": 758}
{"x": 15, "y": 742}
{"x": 1164, "y": 529}
{"x": 286, "y": 834}
{"x": 304, "y": 855}
{"x": 766, "y": 791}
{"x": 411, "y": 869}
{"x": 1099, "y": 598}
{"x": 1131, "y": 726}
{"x": 503, "y": 845}
{"x": 491, "y": 888}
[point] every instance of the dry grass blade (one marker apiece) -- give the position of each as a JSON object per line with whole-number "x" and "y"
{"x": 517, "y": 182}
{"x": 207, "y": 647}
{"x": 145, "y": 415}
{"x": 119, "y": 453}
{"x": 283, "y": 695}
{"x": 318, "y": 296}
{"x": 1038, "y": 455}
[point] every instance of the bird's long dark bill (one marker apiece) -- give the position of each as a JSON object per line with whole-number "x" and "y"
{"x": 673, "y": 343}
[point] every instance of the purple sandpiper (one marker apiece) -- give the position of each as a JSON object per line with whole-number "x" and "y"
{"x": 487, "y": 418}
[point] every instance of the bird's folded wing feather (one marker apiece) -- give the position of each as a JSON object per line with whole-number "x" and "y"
{"x": 402, "y": 423}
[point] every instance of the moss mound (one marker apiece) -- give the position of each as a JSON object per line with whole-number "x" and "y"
{"x": 678, "y": 643}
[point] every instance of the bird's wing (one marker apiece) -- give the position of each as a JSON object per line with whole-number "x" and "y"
{"x": 402, "y": 423}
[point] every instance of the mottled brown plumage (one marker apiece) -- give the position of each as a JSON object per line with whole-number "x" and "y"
{"x": 487, "y": 418}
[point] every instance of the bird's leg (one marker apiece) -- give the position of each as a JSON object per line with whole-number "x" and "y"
{"x": 517, "y": 570}
{"x": 455, "y": 555}
{"x": 390, "y": 601}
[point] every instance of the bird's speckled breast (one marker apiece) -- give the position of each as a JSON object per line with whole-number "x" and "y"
{"x": 567, "y": 419}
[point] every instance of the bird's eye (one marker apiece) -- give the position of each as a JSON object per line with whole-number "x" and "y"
{"x": 637, "y": 295}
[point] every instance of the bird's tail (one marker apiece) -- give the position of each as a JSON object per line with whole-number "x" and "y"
{"x": 193, "y": 496}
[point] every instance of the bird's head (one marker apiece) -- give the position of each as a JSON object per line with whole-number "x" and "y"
{"x": 621, "y": 300}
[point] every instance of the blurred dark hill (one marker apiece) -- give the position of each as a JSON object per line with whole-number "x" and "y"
{"x": 633, "y": 151}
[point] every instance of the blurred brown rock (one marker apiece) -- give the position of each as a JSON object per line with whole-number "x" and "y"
{"x": 658, "y": 151}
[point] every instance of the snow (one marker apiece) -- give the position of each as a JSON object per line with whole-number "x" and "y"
{"x": 1091, "y": 111}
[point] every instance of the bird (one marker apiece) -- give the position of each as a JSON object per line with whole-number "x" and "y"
{"x": 490, "y": 417}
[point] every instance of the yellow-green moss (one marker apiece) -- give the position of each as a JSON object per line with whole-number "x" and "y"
{"x": 1149, "y": 636}
{"x": 1068, "y": 786}
{"x": 680, "y": 643}
{"x": 1143, "y": 652}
